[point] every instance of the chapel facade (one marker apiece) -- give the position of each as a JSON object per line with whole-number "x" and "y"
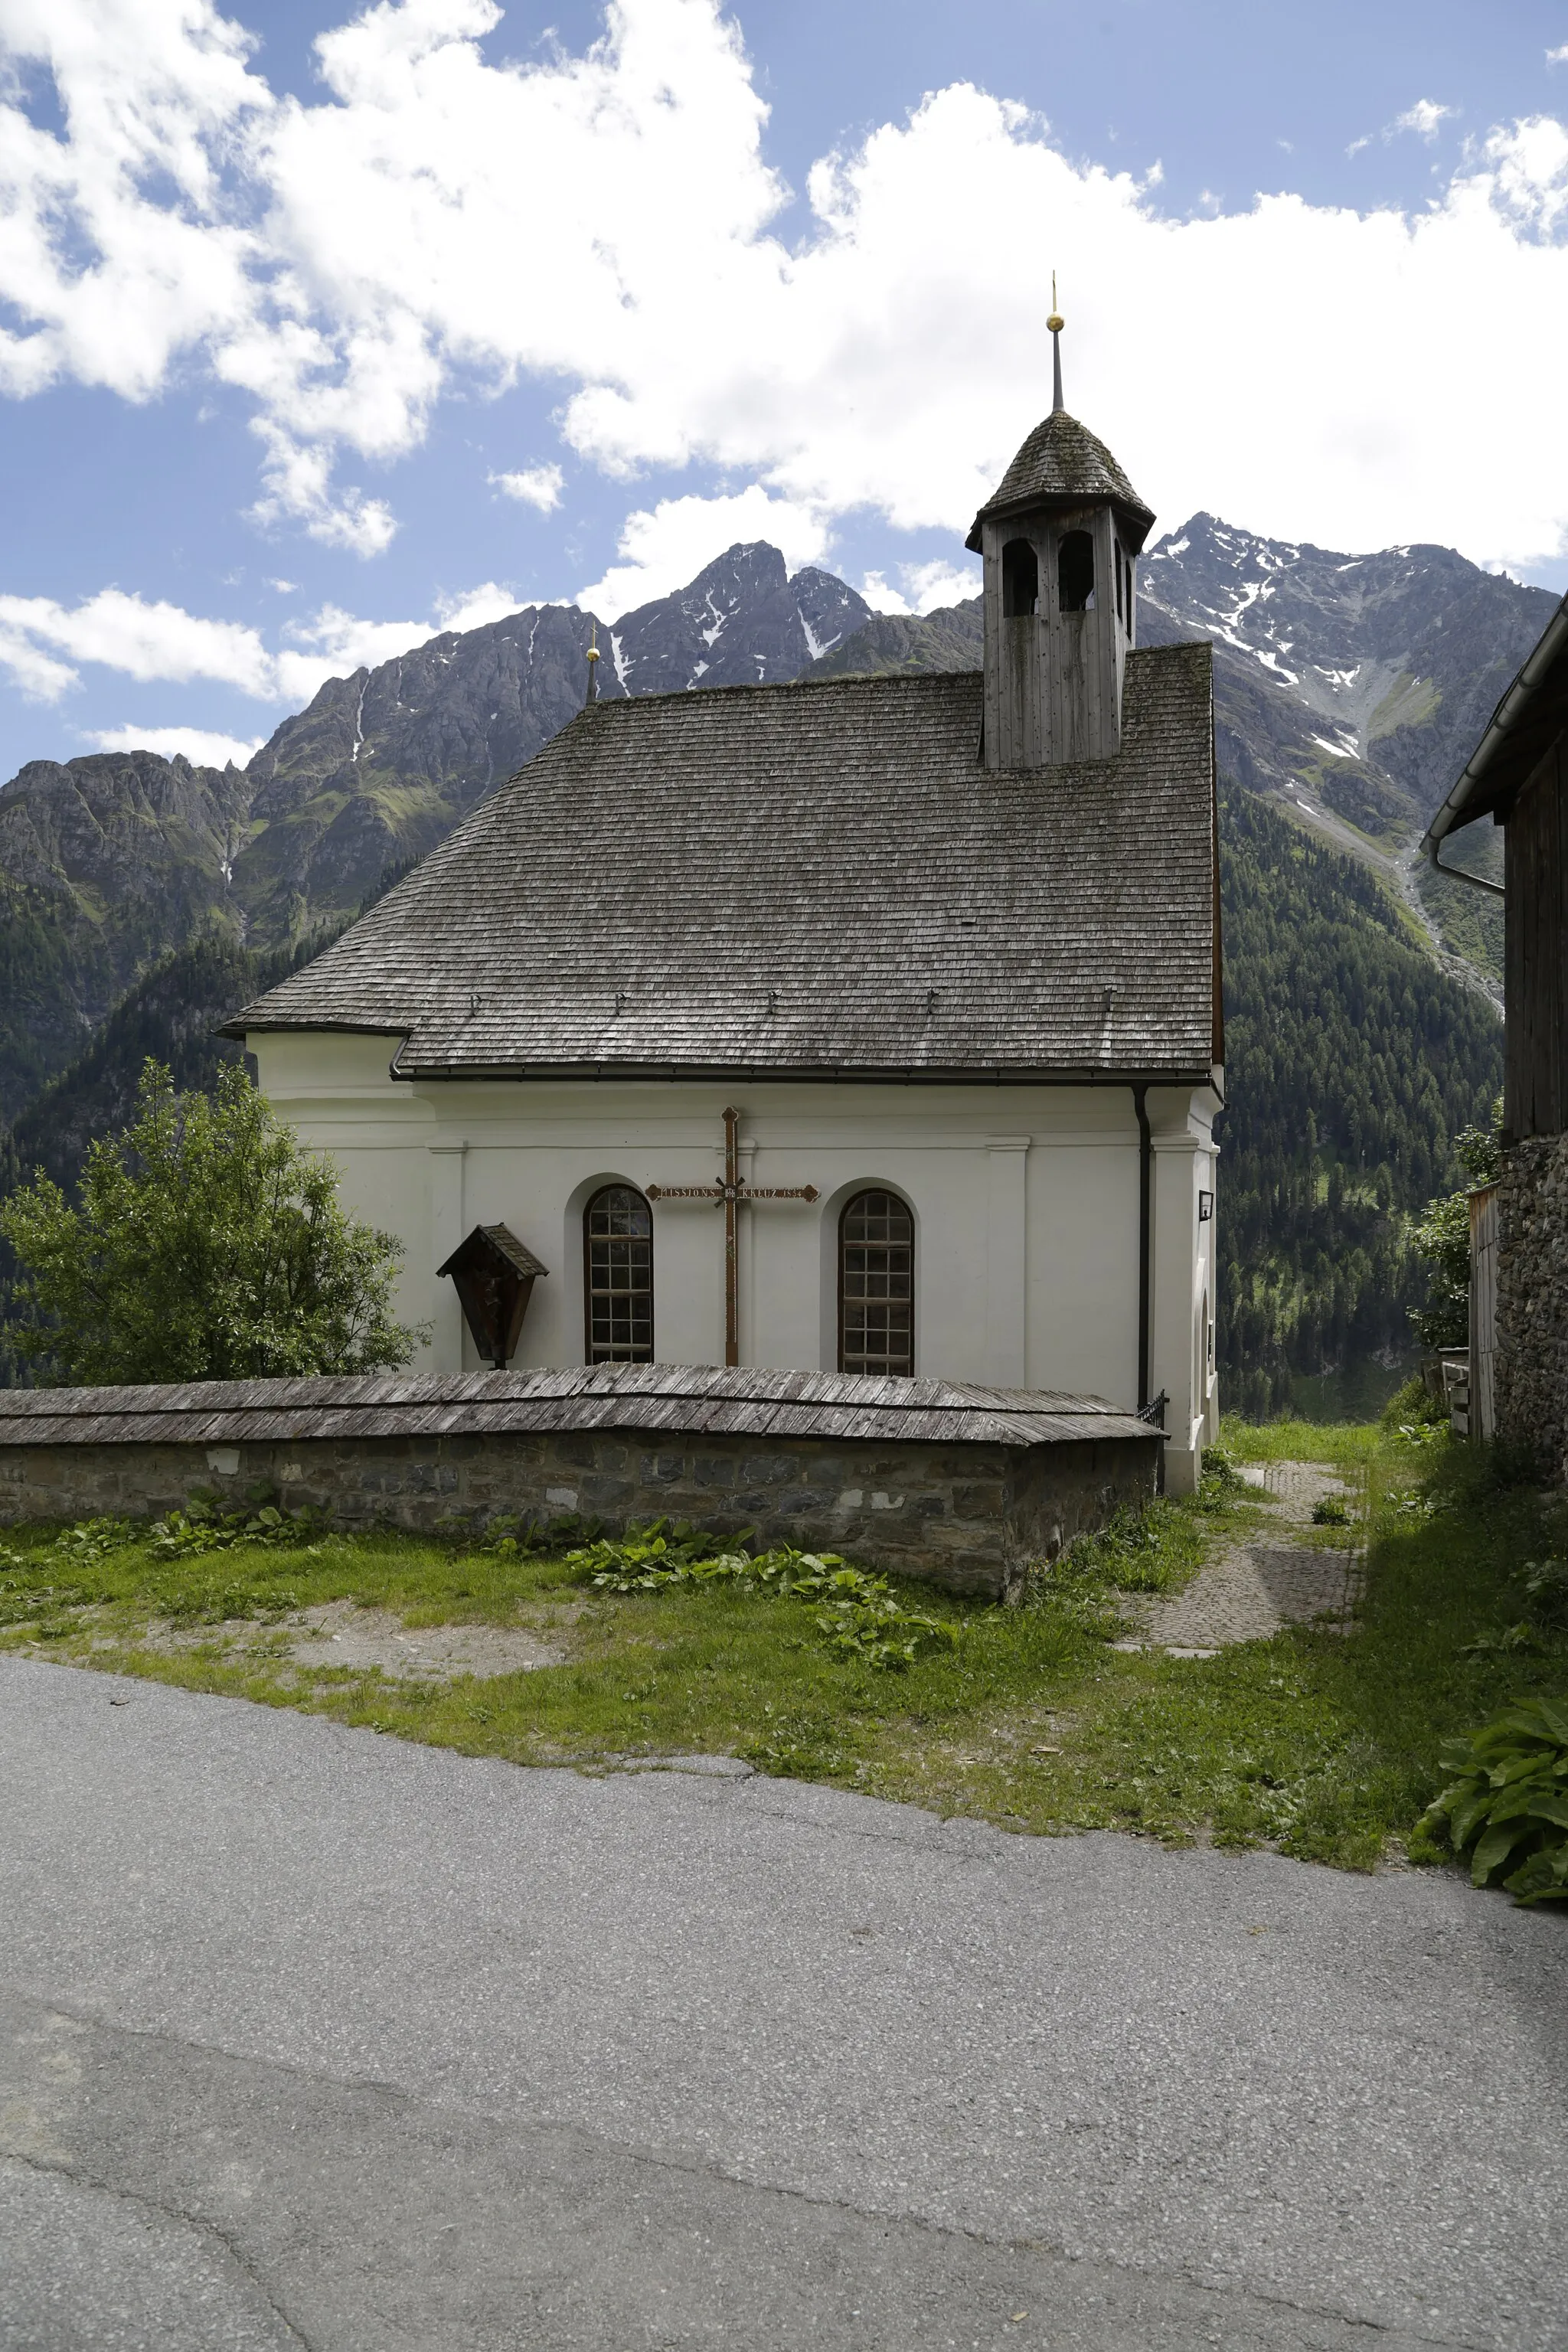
{"x": 870, "y": 1024}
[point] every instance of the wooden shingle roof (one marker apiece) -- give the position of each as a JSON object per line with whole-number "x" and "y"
{"x": 1062, "y": 462}
{"x": 806, "y": 879}
{"x": 674, "y": 1398}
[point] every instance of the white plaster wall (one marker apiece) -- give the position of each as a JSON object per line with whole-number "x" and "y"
{"x": 1024, "y": 1201}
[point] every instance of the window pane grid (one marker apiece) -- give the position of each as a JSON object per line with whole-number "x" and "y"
{"x": 618, "y": 1233}
{"x": 877, "y": 1265}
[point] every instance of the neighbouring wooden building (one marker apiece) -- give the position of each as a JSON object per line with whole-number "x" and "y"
{"x": 1518, "y": 775}
{"x": 869, "y": 1025}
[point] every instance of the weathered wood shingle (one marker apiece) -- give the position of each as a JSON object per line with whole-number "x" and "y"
{"x": 675, "y": 1398}
{"x": 808, "y": 878}
{"x": 1062, "y": 462}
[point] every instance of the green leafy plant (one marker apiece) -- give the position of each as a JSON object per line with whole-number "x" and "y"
{"x": 510, "y": 1537}
{"x": 855, "y": 1614}
{"x": 1520, "y": 1636}
{"x": 1154, "y": 1550}
{"x": 1221, "y": 1484}
{"x": 91, "y": 1540}
{"x": 1442, "y": 1236}
{"x": 1545, "y": 1583}
{"x": 1508, "y": 1803}
{"x": 201, "y": 1528}
{"x": 205, "y": 1244}
{"x": 1330, "y": 1511}
{"x": 1412, "y": 1405}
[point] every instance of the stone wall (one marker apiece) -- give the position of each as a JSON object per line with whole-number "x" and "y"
{"x": 1530, "y": 1366}
{"x": 970, "y": 1517}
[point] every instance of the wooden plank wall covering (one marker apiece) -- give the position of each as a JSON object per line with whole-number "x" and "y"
{"x": 1536, "y": 1086}
{"x": 1483, "y": 1308}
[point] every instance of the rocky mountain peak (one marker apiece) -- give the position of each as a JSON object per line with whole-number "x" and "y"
{"x": 1376, "y": 644}
{"x": 742, "y": 622}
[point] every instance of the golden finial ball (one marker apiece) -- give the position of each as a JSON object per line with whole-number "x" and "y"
{"x": 1056, "y": 322}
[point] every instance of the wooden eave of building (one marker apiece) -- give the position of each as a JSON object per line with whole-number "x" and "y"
{"x": 909, "y": 1074}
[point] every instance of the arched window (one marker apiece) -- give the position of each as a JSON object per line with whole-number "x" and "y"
{"x": 1075, "y": 572}
{"x": 1020, "y": 579}
{"x": 876, "y": 1285}
{"x": 617, "y": 1276}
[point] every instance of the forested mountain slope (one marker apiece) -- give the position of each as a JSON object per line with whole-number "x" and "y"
{"x": 104, "y": 862}
{"x": 1351, "y": 1063}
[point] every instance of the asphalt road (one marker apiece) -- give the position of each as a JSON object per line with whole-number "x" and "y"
{"x": 314, "y": 2038}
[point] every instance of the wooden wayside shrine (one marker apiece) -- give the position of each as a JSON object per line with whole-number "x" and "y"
{"x": 493, "y": 1274}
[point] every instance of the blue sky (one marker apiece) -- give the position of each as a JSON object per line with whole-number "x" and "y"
{"x": 306, "y": 350}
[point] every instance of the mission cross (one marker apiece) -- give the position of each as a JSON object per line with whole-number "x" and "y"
{"x": 728, "y": 1196}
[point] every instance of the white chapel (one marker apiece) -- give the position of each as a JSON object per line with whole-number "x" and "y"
{"x": 866, "y": 1026}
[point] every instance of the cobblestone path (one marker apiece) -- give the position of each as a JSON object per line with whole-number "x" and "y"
{"x": 1253, "y": 1587}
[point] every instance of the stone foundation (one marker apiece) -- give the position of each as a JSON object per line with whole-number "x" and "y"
{"x": 971, "y": 1518}
{"x": 1532, "y": 1360}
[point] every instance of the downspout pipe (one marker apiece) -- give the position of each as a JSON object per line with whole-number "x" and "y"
{"x": 1145, "y": 1205}
{"x": 1458, "y": 873}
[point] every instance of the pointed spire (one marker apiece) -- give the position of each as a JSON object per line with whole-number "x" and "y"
{"x": 594, "y": 658}
{"x": 1056, "y": 322}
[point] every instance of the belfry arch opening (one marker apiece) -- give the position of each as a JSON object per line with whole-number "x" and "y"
{"x": 1020, "y": 579}
{"x": 1074, "y": 572}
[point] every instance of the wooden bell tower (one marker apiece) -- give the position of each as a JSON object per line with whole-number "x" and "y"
{"x": 1060, "y": 541}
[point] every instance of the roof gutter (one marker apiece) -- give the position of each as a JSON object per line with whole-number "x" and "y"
{"x": 1553, "y": 647}
{"x": 786, "y": 1073}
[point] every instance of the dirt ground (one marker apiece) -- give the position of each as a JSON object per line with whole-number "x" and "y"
{"x": 339, "y": 1633}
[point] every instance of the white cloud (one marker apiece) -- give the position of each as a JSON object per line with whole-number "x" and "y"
{"x": 608, "y": 222}
{"x": 34, "y": 672}
{"x": 122, "y": 633}
{"x": 297, "y": 487}
{"x": 475, "y": 608}
{"x": 1424, "y": 118}
{"x": 42, "y": 643}
{"x": 1558, "y": 57}
{"x": 120, "y": 248}
{"x": 535, "y": 486}
{"x": 880, "y": 596}
{"x": 1526, "y": 170}
{"x": 664, "y": 549}
{"x": 933, "y": 585}
{"x": 197, "y": 744}
{"x": 926, "y": 586}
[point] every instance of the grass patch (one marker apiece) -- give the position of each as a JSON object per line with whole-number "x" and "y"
{"x": 1342, "y": 1445}
{"x": 1321, "y": 1745}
